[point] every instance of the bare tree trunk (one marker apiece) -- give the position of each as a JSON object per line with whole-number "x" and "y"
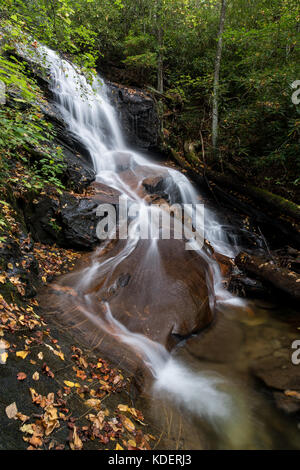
{"x": 160, "y": 74}
{"x": 159, "y": 38}
{"x": 215, "y": 110}
{"x": 160, "y": 77}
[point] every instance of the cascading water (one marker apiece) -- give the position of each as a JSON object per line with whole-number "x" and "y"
{"x": 91, "y": 118}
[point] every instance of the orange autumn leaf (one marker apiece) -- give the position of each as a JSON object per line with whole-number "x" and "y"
{"x": 21, "y": 376}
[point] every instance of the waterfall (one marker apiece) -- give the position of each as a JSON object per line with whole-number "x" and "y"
{"x": 90, "y": 117}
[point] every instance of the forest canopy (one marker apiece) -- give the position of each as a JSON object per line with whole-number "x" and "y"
{"x": 169, "y": 47}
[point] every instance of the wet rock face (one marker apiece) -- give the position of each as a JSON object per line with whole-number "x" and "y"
{"x": 79, "y": 221}
{"x": 281, "y": 377}
{"x": 137, "y": 114}
{"x": 67, "y": 220}
{"x": 155, "y": 185}
{"x": 247, "y": 287}
{"x": 79, "y": 172}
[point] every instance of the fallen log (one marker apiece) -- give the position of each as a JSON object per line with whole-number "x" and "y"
{"x": 259, "y": 204}
{"x": 277, "y": 204}
{"x": 270, "y": 273}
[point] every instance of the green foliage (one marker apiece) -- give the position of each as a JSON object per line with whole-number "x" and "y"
{"x": 137, "y": 51}
{"x": 259, "y": 125}
{"x": 55, "y": 23}
{"x": 24, "y": 135}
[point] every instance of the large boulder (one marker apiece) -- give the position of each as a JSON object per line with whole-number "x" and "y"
{"x": 138, "y": 115}
{"x": 65, "y": 219}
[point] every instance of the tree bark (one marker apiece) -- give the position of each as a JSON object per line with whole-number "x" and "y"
{"x": 215, "y": 110}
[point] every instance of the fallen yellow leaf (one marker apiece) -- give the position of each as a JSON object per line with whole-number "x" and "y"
{"x": 22, "y": 354}
{"x": 71, "y": 384}
{"x": 123, "y": 407}
{"x": 27, "y": 428}
{"x": 132, "y": 443}
{"x": 3, "y": 358}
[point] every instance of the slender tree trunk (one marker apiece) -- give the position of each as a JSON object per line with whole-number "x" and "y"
{"x": 159, "y": 38}
{"x": 215, "y": 110}
{"x": 160, "y": 74}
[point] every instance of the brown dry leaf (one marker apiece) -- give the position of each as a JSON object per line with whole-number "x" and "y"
{"x": 4, "y": 344}
{"x": 34, "y": 394}
{"x": 22, "y": 417}
{"x": 93, "y": 403}
{"x": 22, "y": 354}
{"x": 15, "y": 280}
{"x": 98, "y": 421}
{"x": 51, "y": 445}
{"x": 77, "y": 442}
{"x": 50, "y": 419}
{"x": 35, "y": 441}
{"x": 127, "y": 423}
{"x": 47, "y": 371}
{"x": 117, "y": 379}
{"x": 57, "y": 353}
{"x": 135, "y": 413}
{"x": 83, "y": 362}
{"x": 11, "y": 411}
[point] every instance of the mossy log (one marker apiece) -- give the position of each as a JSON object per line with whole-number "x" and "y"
{"x": 277, "y": 204}
{"x": 264, "y": 207}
